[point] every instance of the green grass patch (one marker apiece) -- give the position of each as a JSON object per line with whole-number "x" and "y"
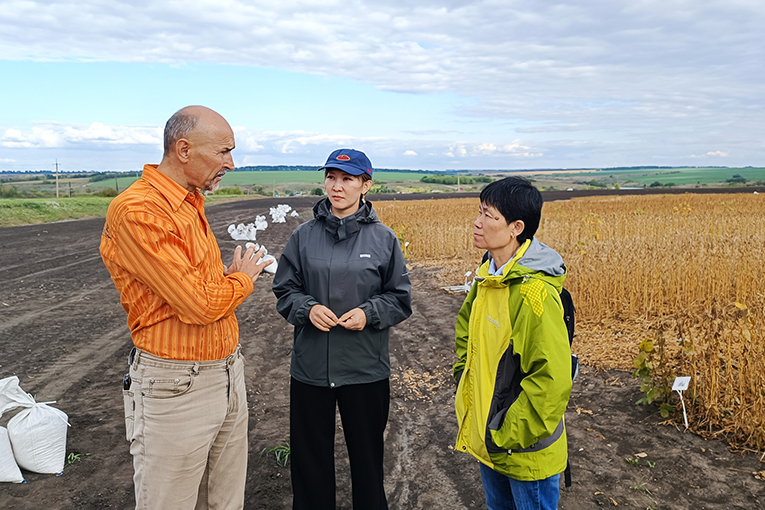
{"x": 677, "y": 176}
{"x": 281, "y": 453}
{"x": 695, "y": 175}
{"x": 28, "y": 211}
{"x": 32, "y": 211}
{"x": 302, "y": 177}
{"x": 122, "y": 182}
{"x": 268, "y": 178}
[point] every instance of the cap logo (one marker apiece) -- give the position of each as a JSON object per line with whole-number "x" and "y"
{"x": 344, "y": 157}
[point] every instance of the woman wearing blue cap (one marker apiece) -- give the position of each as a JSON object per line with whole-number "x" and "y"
{"x": 342, "y": 282}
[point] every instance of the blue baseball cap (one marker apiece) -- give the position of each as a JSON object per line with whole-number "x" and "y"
{"x": 349, "y": 160}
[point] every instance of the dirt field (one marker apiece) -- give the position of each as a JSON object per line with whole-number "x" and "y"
{"x": 63, "y": 334}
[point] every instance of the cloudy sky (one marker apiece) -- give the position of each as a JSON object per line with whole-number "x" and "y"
{"x": 496, "y": 84}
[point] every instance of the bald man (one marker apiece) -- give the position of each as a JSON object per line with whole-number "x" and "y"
{"x": 185, "y": 398}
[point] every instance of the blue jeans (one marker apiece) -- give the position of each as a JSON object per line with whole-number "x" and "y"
{"x": 505, "y": 493}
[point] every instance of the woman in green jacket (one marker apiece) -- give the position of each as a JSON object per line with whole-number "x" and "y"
{"x": 514, "y": 359}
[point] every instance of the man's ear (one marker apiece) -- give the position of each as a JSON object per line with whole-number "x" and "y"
{"x": 182, "y": 148}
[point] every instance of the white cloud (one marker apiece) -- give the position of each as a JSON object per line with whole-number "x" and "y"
{"x": 52, "y": 135}
{"x": 516, "y": 56}
{"x": 514, "y": 148}
{"x": 259, "y": 147}
{"x": 714, "y": 154}
{"x": 256, "y": 147}
{"x": 617, "y": 79}
{"x": 304, "y": 144}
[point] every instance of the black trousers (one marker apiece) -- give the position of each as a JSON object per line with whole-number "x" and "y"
{"x": 364, "y": 414}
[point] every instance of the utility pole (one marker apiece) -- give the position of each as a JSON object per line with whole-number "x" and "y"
{"x": 56, "y": 177}
{"x": 116, "y": 185}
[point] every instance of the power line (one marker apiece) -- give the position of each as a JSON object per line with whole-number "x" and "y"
{"x": 56, "y": 177}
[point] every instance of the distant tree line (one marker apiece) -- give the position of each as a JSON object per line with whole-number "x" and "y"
{"x": 594, "y": 183}
{"x": 737, "y": 179}
{"x": 275, "y": 168}
{"x": 102, "y": 176}
{"x": 39, "y": 175}
{"x": 27, "y": 177}
{"x": 452, "y": 179}
{"x": 307, "y": 168}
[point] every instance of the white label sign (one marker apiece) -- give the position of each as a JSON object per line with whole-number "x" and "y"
{"x": 681, "y": 383}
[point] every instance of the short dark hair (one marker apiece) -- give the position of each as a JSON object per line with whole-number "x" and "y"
{"x": 180, "y": 125}
{"x": 516, "y": 199}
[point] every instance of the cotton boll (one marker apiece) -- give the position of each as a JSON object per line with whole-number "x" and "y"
{"x": 294, "y": 214}
{"x": 231, "y": 228}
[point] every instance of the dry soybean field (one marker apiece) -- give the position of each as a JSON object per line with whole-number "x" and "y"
{"x": 64, "y": 334}
{"x": 669, "y": 284}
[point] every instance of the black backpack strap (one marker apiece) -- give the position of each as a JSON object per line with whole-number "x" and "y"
{"x": 569, "y": 312}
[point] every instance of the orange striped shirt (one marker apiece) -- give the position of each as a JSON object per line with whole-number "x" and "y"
{"x": 166, "y": 265}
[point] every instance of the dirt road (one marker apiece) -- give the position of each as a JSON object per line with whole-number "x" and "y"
{"x": 63, "y": 333}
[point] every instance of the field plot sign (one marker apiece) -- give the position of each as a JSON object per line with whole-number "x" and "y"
{"x": 680, "y": 384}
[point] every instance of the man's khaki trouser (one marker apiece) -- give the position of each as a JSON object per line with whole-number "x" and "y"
{"x": 187, "y": 426}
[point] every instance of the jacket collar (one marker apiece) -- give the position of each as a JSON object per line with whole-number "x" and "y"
{"x": 532, "y": 259}
{"x": 343, "y": 228}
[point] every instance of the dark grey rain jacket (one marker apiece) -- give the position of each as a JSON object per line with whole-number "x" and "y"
{"x": 342, "y": 264}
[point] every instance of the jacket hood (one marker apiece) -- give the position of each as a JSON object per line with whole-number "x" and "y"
{"x": 533, "y": 258}
{"x": 343, "y": 228}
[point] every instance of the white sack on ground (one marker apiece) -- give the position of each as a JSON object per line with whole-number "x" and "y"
{"x": 256, "y": 247}
{"x": 271, "y": 268}
{"x": 37, "y": 433}
{"x": 279, "y": 213}
{"x": 38, "y": 437}
{"x": 9, "y": 470}
{"x": 11, "y": 394}
{"x": 260, "y": 223}
{"x": 243, "y": 232}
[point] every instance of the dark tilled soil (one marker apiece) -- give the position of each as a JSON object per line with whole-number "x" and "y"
{"x": 63, "y": 333}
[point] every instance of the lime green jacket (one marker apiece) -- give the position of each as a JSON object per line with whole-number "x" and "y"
{"x": 514, "y": 367}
